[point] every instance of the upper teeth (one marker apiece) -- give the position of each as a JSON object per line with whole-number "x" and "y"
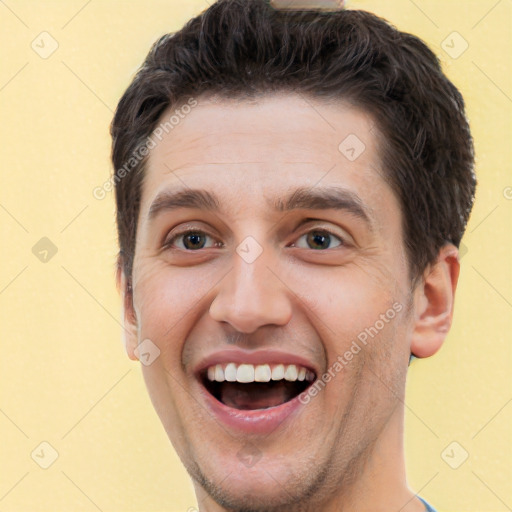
{"x": 233, "y": 372}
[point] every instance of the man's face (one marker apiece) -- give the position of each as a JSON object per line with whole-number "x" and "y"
{"x": 272, "y": 277}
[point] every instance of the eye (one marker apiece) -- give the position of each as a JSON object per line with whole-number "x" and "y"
{"x": 190, "y": 240}
{"x": 319, "y": 239}
{"x": 193, "y": 240}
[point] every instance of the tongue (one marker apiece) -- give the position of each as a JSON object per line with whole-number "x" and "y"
{"x": 256, "y": 395}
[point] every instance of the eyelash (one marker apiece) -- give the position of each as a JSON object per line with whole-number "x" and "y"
{"x": 169, "y": 244}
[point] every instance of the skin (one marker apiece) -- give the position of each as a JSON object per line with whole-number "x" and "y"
{"x": 343, "y": 451}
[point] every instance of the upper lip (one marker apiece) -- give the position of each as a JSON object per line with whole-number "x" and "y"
{"x": 255, "y": 357}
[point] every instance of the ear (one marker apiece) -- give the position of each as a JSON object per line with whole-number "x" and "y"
{"x": 130, "y": 332}
{"x": 433, "y": 303}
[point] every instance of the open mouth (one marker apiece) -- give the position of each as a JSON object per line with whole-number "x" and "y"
{"x": 251, "y": 387}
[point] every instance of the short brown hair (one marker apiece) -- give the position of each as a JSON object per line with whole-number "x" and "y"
{"x": 244, "y": 48}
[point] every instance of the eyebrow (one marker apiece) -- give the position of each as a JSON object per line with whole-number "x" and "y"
{"x": 305, "y": 198}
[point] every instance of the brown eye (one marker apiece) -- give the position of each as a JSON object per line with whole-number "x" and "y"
{"x": 190, "y": 241}
{"x": 194, "y": 241}
{"x": 319, "y": 240}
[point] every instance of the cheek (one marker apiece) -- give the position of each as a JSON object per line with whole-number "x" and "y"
{"x": 361, "y": 318}
{"x": 165, "y": 300}
{"x": 346, "y": 300}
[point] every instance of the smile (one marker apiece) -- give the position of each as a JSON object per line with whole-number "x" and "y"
{"x": 247, "y": 387}
{"x": 254, "y": 391}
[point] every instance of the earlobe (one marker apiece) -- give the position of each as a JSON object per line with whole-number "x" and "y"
{"x": 434, "y": 300}
{"x": 129, "y": 319}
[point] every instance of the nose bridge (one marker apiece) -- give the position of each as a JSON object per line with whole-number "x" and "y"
{"x": 251, "y": 295}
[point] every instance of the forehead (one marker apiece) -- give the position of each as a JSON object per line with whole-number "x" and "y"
{"x": 248, "y": 152}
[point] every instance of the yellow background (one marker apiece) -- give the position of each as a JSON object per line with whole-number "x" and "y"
{"x": 65, "y": 377}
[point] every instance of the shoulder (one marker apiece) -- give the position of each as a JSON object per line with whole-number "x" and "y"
{"x": 428, "y": 508}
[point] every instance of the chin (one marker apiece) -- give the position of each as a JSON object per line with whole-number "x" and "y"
{"x": 267, "y": 486}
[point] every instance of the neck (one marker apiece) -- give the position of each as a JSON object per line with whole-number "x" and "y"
{"x": 381, "y": 484}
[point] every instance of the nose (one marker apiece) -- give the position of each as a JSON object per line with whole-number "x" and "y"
{"x": 251, "y": 296}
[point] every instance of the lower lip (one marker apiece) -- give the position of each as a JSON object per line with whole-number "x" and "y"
{"x": 257, "y": 421}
